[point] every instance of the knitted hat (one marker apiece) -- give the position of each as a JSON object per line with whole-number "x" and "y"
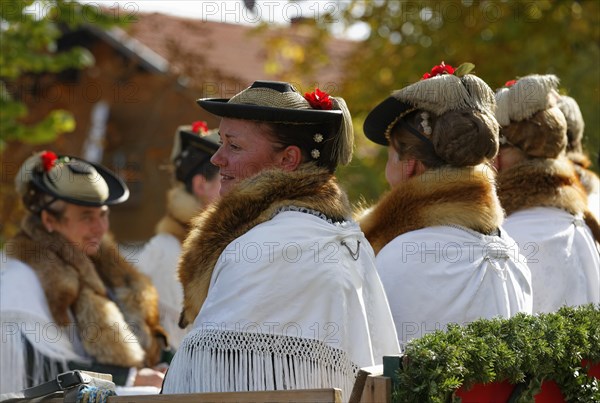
{"x": 530, "y": 119}
{"x": 280, "y": 102}
{"x": 71, "y": 179}
{"x": 194, "y": 145}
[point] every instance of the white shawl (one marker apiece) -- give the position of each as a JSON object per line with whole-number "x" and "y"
{"x": 288, "y": 307}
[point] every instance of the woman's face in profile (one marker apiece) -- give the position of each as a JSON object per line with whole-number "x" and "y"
{"x": 246, "y": 149}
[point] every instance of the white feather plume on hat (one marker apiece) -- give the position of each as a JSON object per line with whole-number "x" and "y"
{"x": 527, "y": 96}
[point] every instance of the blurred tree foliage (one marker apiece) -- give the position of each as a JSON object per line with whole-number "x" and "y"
{"x": 29, "y": 31}
{"x": 504, "y": 39}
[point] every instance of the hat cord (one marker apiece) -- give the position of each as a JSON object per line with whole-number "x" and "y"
{"x": 421, "y": 137}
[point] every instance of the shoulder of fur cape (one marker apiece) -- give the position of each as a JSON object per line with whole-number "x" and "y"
{"x": 588, "y": 178}
{"x": 252, "y": 202}
{"x": 181, "y": 209}
{"x": 546, "y": 183}
{"x": 445, "y": 196}
{"x": 541, "y": 182}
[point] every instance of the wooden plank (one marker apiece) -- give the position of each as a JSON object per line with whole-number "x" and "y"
{"x": 378, "y": 389}
{"x": 272, "y": 396}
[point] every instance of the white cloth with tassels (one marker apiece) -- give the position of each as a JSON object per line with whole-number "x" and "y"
{"x": 24, "y": 315}
{"x": 562, "y": 255}
{"x": 288, "y": 307}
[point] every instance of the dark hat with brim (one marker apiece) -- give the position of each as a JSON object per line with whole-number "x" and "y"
{"x": 191, "y": 150}
{"x": 383, "y": 117}
{"x": 76, "y": 181}
{"x": 270, "y": 101}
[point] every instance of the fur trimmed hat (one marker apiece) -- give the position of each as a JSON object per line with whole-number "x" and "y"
{"x": 444, "y": 89}
{"x": 575, "y": 123}
{"x": 529, "y": 117}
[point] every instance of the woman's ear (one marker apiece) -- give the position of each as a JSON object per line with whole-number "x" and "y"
{"x": 48, "y": 221}
{"x": 411, "y": 167}
{"x": 291, "y": 158}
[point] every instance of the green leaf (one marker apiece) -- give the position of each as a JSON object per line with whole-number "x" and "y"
{"x": 464, "y": 69}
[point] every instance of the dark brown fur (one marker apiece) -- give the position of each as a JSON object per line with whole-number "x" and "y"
{"x": 253, "y": 202}
{"x": 459, "y": 196}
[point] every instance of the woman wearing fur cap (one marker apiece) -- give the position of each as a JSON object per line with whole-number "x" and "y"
{"x": 197, "y": 184}
{"x": 279, "y": 283}
{"x": 69, "y": 300}
{"x": 575, "y": 153}
{"x": 441, "y": 252}
{"x": 546, "y": 205}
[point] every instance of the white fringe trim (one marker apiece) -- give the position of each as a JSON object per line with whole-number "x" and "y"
{"x": 49, "y": 352}
{"x": 227, "y": 361}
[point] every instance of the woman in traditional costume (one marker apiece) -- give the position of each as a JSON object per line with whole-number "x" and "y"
{"x": 196, "y": 186}
{"x": 442, "y": 253}
{"x": 68, "y": 299}
{"x": 546, "y": 205}
{"x": 279, "y": 282}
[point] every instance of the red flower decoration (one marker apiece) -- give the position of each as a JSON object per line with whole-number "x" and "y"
{"x": 48, "y": 160}
{"x": 319, "y": 100}
{"x": 510, "y": 83}
{"x": 198, "y": 126}
{"x": 438, "y": 70}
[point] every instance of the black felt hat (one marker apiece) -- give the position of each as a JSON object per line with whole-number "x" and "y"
{"x": 192, "y": 149}
{"x": 270, "y": 101}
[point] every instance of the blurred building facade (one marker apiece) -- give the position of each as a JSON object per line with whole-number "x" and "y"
{"x": 143, "y": 85}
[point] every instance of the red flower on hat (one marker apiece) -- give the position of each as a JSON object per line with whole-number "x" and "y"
{"x": 510, "y": 83}
{"x": 48, "y": 160}
{"x": 319, "y": 100}
{"x": 199, "y": 125}
{"x": 438, "y": 70}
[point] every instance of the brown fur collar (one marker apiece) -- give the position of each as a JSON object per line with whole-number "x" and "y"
{"x": 459, "y": 196}
{"x": 181, "y": 208}
{"x": 589, "y": 180}
{"x": 545, "y": 183}
{"x": 73, "y": 281}
{"x": 254, "y": 201}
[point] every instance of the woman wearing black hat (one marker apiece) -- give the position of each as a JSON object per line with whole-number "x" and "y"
{"x": 441, "y": 252}
{"x": 69, "y": 299}
{"x": 196, "y": 186}
{"x": 278, "y": 281}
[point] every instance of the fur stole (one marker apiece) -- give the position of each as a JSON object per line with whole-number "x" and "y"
{"x": 254, "y": 201}
{"x": 545, "y": 183}
{"x": 445, "y": 196}
{"x": 73, "y": 281}
{"x": 181, "y": 208}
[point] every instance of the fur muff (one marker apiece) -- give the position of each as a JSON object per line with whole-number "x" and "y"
{"x": 543, "y": 182}
{"x": 445, "y": 196}
{"x": 254, "y": 201}
{"x": 125, "y": 332}
{"x": 181, "y": 208}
